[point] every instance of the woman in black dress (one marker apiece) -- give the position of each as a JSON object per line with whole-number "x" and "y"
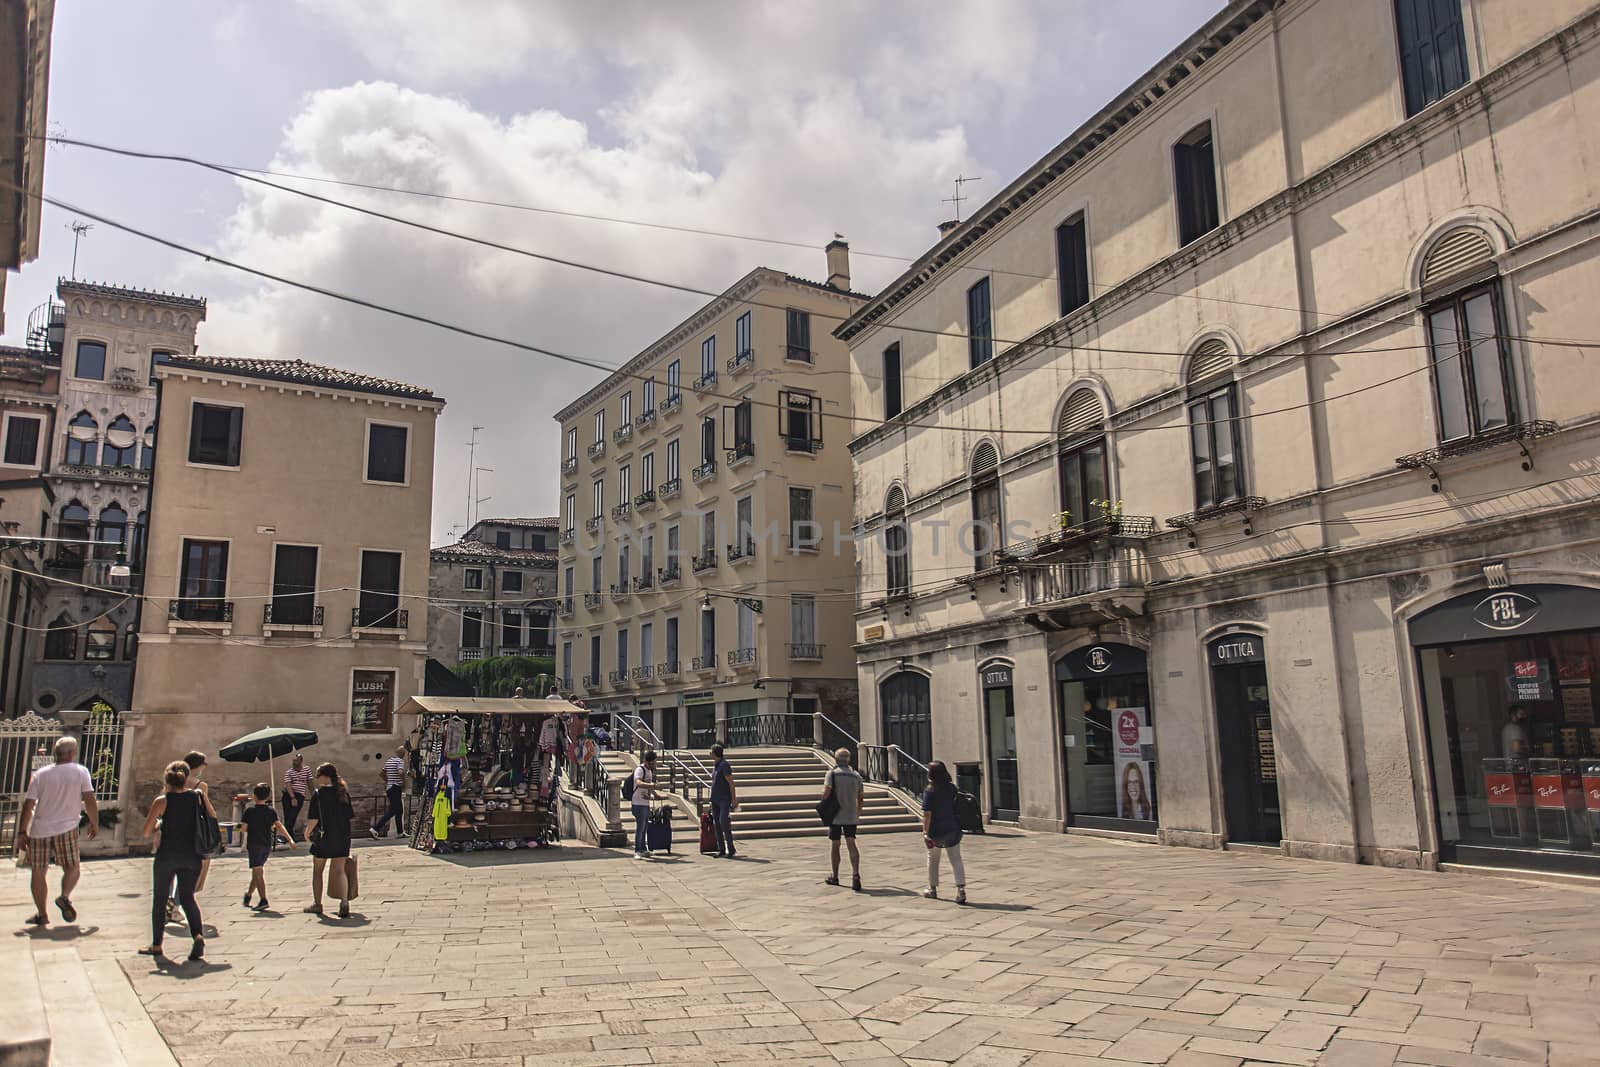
{"x": 328, "y": 830}
{"x": 177, "y": 810}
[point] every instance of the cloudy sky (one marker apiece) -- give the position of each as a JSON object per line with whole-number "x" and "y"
{"x": 774, "y": 119}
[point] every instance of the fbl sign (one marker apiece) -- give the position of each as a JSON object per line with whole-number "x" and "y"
{"x": 1508, "y": 610}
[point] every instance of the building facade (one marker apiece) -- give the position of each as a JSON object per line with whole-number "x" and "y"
{"x": 1247, "y": 499}
{"x": 25, "y": 28}
{"x": 110, "y": 341}
{"x": 286, "y": 571}
{"x": 29, "y": 383}
{"x": 493, "y": 592}
{"x": 706, "y": 568}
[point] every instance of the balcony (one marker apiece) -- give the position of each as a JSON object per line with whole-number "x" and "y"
{"x": 569, "y": 464}
{"x": 742, "y": 658}
{"x": 805, "y": 652}
{"x": 705, "y": 382}
{"x": 703, "y": 563}
{"x": 96, "y": 473}
{"x": 597, "y": 449}
{"x": 200, "y": 615}
{"x": 97, "y": 572}
{"x": 591, "y": 681}
{"x": 669, "y": 669}
{"x": 291, "y": 618}
{"x": 620, "y": 678}
{"x": 469, "y": 654}
{"x": 741, "y": 362}
{"x": 621, "y": 591}
{"x": 798, "y": 354}
{"x": 672, "y": 403}
{"x": 379, "y": 622}
{"x": 701, "y": 664}
{"x": 1091, "y": 584}
{"x": 591, "y": 601}
{"x": 739, "y": 554}
{"x": 741, "y": 453}
{"x": 526, "y": 651}
{"x": 593, "y": 523}
{"x": 668, "y": 576}
{"x": 705, "y": 472}
{"x": 622, "y": 511}
{"x": 645, "y": 583}
{"x": 644, "y": 419}
{"x": 804, "y": 445}
{"x": 670, "y": 489}
{"x": 645, "y": 500}
{"x": 564, "y": 608}
{"x": 641, "y": 675}
{"x": 622, "y": 433}
{"x": 569, "y": 535}
{"x": 564, "y": 684}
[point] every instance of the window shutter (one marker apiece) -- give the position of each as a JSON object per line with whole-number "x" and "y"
{"x": 1082, "y": 411}
{"x": 1457, "y": 252}
{"x": 985, "y": 460}
{"x": 896, "y": 500}
{"x": 1209, "y": 359}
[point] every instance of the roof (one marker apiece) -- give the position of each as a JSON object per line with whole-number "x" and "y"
{"x": 1061, "y": 162}
{"x": 448, "y": 705}
{"x": 193, "y": 303}
{"x": 301, "y": 372}
{"x": 484, "y": 552}
{"x": 551, "y": 523}
{"x": 825, "y": 287}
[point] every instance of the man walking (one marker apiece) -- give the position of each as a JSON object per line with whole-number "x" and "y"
{"x": 723, "y": 801}
{"x": 394, "y": 780}
{"x": 47, "y": 831}
{"x": 845, "y": 785}
{"x": 296, "y": 785}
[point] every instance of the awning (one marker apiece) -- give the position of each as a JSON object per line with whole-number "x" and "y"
{"x": 446, "y": 705}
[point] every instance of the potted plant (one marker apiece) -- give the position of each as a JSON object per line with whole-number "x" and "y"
{"x": 1110, "y": 513}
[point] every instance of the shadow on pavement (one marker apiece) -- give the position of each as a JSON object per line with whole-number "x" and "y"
{"x": 65, "y": 932}
{"x": 511, "y": 857}
{"x": 185, "y": 970}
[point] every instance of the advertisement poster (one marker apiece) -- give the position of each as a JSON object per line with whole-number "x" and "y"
{"x": 1131, "y": 727}
{"x": 1530, "y": 680}
{"x": 372, "y": 702}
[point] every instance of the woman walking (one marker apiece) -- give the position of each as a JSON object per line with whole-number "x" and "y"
{"x": 178, "y": 811}
{"x": 941, "y": 831}
{"x": 328, "y": 830}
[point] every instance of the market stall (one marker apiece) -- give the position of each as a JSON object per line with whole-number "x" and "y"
{"x": 493, "y": 765}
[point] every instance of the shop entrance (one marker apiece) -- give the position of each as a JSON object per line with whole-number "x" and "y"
{"x": 1108, "y": 749}
{"x": 1509, "y": 692}
{"x": 1000, "y": 718}
{"x": 907, "y": 719}
{"x": 1244, "y": 739}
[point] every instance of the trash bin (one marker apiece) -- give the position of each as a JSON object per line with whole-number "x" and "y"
{"x": 969, "y": 787}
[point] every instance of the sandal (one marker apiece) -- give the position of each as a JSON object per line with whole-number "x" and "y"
{"x": 831, "y": 881}
{"x": 344, "y": 909}
{"x": 38, "y": 919}
{"x": 153, "y": 950}
{"x": 198, "y": 952}
{"x": 314, "y": 909}
{"x": 68, "y": 912}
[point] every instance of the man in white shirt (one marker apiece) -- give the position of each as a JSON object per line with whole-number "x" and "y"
{"x": 47, "y": 831}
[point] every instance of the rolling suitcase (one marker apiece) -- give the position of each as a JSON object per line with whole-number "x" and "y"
{"x": 658, "y": 832}
{"x": 708, "y": 835}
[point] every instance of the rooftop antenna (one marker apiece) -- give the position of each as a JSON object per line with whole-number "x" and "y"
{"x": 960, "y": 180}
{"x": 78, "y": 230}
{"x": 472, "y": 455}
{"x": 479, "y": 482}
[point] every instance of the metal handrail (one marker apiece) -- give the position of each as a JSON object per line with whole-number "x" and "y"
{"x": 699, "y": 771}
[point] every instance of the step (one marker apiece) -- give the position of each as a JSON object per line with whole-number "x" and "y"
{"x": 815, "y": 830}
{"x": 25, "y": 1036}
{"x": 83, "y": 1034}
{"x": 761, "y": 804}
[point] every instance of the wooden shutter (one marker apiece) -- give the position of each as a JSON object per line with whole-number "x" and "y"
{"x": 985, "y": 460}
{"x": 1082, "y": 412}
{"x": 1209, "y": 359}
{"x": 896, "y": 501}
{"x": 1458, "y": 252}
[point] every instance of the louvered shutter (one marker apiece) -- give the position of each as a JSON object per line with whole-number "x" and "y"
{"x": 1209, "y": 359}
{"x": 896, "y": 501}
{"x": 1082, "y": 412}
{"x": 1457, "y": 252}
{"x": 985, "y": 460}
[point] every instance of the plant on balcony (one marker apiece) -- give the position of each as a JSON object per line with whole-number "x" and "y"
{"x": 1064, "y": 521}
{"x": 1110, "y": 510}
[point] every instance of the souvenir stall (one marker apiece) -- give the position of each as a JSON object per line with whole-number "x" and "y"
{"x": 493, "y": 765}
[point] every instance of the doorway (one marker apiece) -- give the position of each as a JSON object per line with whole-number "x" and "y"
{"x": 1244, "y": 740}
{"x": 906, "y": 711}
{"x": 1000, "y": 715}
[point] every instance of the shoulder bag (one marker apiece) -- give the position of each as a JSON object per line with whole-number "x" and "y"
{"x": 828, "y": 806}
{"x": 207, "y": 833}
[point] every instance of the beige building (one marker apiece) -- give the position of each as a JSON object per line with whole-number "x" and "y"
{"x": 706, "y": 565}
{"x": 29, "y": 383}
{"x": 25, "y": 27}
{"x": 493, "y": 592}
{"x": 287, "y": 569}
{"x": 1297, "y": 309}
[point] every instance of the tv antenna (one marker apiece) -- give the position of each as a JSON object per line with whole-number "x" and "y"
{"x": 479, "y": 483}
{"x": 960, "y": 180}
{"x": 78, "y": 230}
{"x": 472, "y": 455}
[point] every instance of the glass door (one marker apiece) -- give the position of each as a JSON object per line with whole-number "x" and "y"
{"x": 1005, "y": 801}
{"x": 1249, "y": 754}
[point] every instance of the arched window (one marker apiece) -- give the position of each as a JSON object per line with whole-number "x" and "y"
{"x": 987, "y": 533}
{"x": 61, "y": 639}
{"x": 122, "y": 440}
{"x": 102, "y": 640}
{"x": 83, "y": 445}
{"x": 1472, "y": 381}
{"x": 897, "y": 543}
{"x": 113, "y": 527}
{"x": 1216, "y": 451}
{"x": 147, "y": 451}
{"x": 1081, "y": 456}
{"x": 73, "y": 529}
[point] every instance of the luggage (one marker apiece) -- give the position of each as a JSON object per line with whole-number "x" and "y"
{"x": 658, "y": 831}
{"x": 968, "y": 815}
{"x": 708, "y": 835}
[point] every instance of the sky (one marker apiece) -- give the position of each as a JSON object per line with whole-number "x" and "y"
{"x": 769, "y": 119}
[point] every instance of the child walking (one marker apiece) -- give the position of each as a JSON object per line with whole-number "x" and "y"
{"x": 262, "y": 827}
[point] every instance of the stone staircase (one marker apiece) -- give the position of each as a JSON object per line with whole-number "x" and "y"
{"x": 66, "y": 1011}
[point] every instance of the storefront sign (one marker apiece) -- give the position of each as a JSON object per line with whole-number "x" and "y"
{"x": 1230, "y": 649}
{"x": 372, "y": 702}
{"x": 873, "y": 632}
{"x": 705, "y": 696}
{"x": 1530, "y": 680}
{"x": 1506, "y": 610}
{"x": 997, "y": 676}
{"x": 1556, "y": 790}
{"x": 1507, "y": 789}
{"x": 1097, "y": 661}
{"x": 1591, "y": 786}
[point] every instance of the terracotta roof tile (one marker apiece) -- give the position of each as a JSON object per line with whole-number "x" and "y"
{"x": 299, "y": 371}
{"x": 469, "y": 551}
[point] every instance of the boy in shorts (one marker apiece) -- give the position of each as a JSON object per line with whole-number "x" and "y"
{"x": 262, "y": 828}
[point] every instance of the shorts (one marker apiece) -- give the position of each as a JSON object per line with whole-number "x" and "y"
{"x": 258, "y": 854}
{"x": 61, "y": 850}
{"x": 837, "y": 831}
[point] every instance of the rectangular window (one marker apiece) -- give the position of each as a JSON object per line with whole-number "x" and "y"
{"x": 294, "y": 585}
{"x": 1194, "y": 167}
{"x": 674, "y": 469}
{"x": 600, "y": 425}
{"x": 671, "y": 657}
{"x": 572, "y": 512}
{"x": 708, "y": 533}
{"x": 472, "y": 578}
{"x": 380, "y": 589}
{"x": 743, "y": 440}
{"x": 595, "y": 665}
{"x": 91, "y": 362}
{"x": 1072, "y": 263}
{"x": 708, "y": 635}
{"x": 510, "y": 630}
{"x": 472, "y": 629}
{"x": 803, "y": 532}
{"x": 798, "y": 335}
{"x": 625, "y": 416}
{"x": 511, "y": 581}
{"x": 1471, "y": 373}
{"x": 1214, "y": 437}
{"x": 674, "y": 380}
{"x": 569, "y": 577}
{"x": 566, "y": 665}
{"x": 647, "y": 472}
{"x": 802, "y": 421}
{"x": 985, "y": 523}
{"x": 647, "y": 396}
{"x": 708, "y": 439}
{"x": 599, "y": 497}
{"x": 708, "y": 357}
{"x": 502, "y": 539}
{"x": 215, "y": 433}
{"x": 624, "y": 484}
{"x": 891, "y": 381}
{"x": 1083, "y": 480}
{"x": 646, "y": 641}
{"x": 980, "y": 324}
{"x": 386, "y": 452}
{"x": 372, "y": 702}
{"x": 803, "y": 619}
{"x": 897, "y": 549}
{"x": 157, "y": 358}
{"x": 597, "y": 574}
{"x": 572, "y": 442}
{"x": 22, "y": 440}
{"x": 624, "y": 556}
{"x": 741, "y": 335}
{"x": 647, "y": 557}
{"x": 1433, "y": 50}
{"x": 744, "y": 538}
{"x": 747, "y": 626}
{"x": 674, "y": 549}
{"x": 203, "y": 581}
{"x": 622, "y": 651}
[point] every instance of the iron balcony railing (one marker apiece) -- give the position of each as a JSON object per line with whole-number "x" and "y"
{"x": 666, "y": 576}
{"x": 621, "y": 592}
{"x": 564, "y": 684}
{"x": 591, "y": 681}
{"x": 705, "y": 381}
{"x": 291, "y": 614}
{"x": 593, "y": 523}
{"x": 647, "y": 417}
{"x": 741, "y": 452}
{"x": 670, "y": 488}
{"x": 705, "y": 562}
{"x": 619, "y": 677}
{"x": 672, "y": 403}
{"x": 645, "y": 582}
{"x": 622, "y": 433}
{"x": 597, "y": 449}
{"x": 704, "y": 663}
{"x": 742, "y": 657}
{"x": 569, "y": 464}
{"x": 741, "y": 361}
{"x": 746, "y": 551}
{"x": 797, "y": 353}
{"x": 802, "y": 651}
{"x": 200, "y": 609}
{"x": 669, "y": 669}
{"x": 801, "y": 444}
{"x": 569, "y": 535}
{"x": 564, "y": 607}
{"x": 642, "y": 674}
{"x": 592, "y": 601}
{"x": 380, "y": 618}
{"x": 645, "y": 499}
{"x": 622, "y": 511}
{"x": 705, "y": 472}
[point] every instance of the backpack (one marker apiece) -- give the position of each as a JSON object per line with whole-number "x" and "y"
{"x": 627, "y": 787}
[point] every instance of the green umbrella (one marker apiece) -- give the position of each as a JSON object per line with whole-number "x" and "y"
{"x": 266, "y": 745}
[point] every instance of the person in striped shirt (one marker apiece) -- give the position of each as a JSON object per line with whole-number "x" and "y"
{"x": 296, "y": 786}
{"x": 394, "y": 780}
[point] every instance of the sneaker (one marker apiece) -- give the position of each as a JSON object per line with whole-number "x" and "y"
{"x": 373, "y": 830}
{"x": 172, "y": 911}
{"x": 931, "y": 894}
{"x": 261, "y": 905}
{"x": 638, "y": 855}
{"x": 247, "y": 900}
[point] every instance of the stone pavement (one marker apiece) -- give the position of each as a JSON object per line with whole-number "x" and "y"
{"x": 1075, "y": 951}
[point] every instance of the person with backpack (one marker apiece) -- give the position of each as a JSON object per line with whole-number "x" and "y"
{"x": 941, "y": 831}
{"x": 640, "y": 788}
{"x": 328, "y": 829}
{"x": 180, "y": 811}
{"x": 847, "y": 792}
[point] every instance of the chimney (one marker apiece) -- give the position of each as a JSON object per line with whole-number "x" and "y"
{"x": 946, "y": 227}
{"x": 838, "y": 251}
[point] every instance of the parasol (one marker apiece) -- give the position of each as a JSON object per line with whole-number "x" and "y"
{"x": 266, "y": 745}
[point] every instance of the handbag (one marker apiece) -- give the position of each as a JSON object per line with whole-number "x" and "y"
{"x": 351, "y": 882}
{"x": 207, "y": 832}
{"x": 828, "y": 806}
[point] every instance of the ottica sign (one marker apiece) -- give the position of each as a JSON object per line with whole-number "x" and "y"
{"x": 1230, "y": 649}
{"x": 1508, "y": 610}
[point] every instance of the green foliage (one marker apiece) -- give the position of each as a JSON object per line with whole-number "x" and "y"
{"x": 102, "y": 746}
{"x": 499, "y": 676}
{"x": 109, "y": 818}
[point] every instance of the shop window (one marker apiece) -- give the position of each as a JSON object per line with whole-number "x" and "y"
{"x": 1108, "y": 737}
{"x": 83, "y": 441}
{"x": 1433, "y": 50}
{"x": 372, "y": 696}
{"x": 215, "y": 434}
{"x": 1471, "y": 365}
